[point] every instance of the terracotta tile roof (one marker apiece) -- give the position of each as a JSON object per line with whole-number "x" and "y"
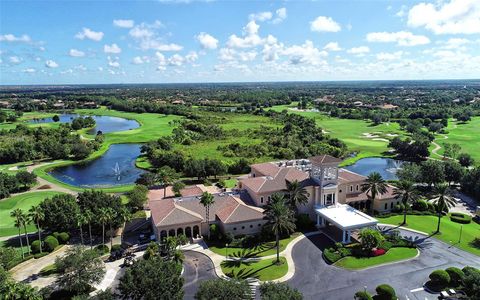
{"x": 190, "y": 191}
{"x": 324, "y": 159}
{"x": 346, "y": 176}
{"x": 239, "y": 212}
{"x": 165, "y": 213}
{"x": 265, "y": 169}
{"x": 363, "y": 196}
{"x": 277, "y": 183}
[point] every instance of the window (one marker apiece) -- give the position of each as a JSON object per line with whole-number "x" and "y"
{"x": 251, "y": 226}
{"x": 340, "y": 191}
{"x": 261, "y": 199}
{"x": 357, "y": 187}
{"x": 259, "y": 225}
{"x": 351, "y": 188}
{"x": 398, "y": 202}
{"x": 268, "y": 198}
{"x": 391, "y": 205}
{"x": 386, "y": 206}
{"x": 243, "y": 227}
{"x": 234, "y": 228}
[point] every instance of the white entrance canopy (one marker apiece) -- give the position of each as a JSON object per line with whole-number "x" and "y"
{"x": 344, "y": 217}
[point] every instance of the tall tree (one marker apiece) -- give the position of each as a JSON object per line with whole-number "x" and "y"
{"x": 374, "y": 185}
{"x": 297, "y": 194}
{"x": 233, "y": 289}
{"x": 280, "y": 217}
{"x": 17, "y": 215}
{"x": 166, "y": 176}
{"x": 126, "y": 216}
{"x": 36, "y": 215}
{"x": 406, "y": 192}
{"x": 81, "y": 220}
{"x": 207, "y": 200}
{"x": 24, "y": 220}
{"x": 103, "y": 217}
{"x": 443, "y": 201}
{"x": 88, "y": 218}
{"x": 111, "y": 215}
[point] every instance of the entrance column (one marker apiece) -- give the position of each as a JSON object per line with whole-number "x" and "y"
{"x": 349, "y": 234}
{"x": 318, "y": 221}
{"x": 344, "y": 239}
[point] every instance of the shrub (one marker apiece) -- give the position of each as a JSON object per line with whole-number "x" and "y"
{"x": 440, "y": 278}
{"x": 331, "y": 255}
{"x": 35, "y": 246}
{"x": 50, "y": 243}
{"x": 378, "y": 252}
{"x": 385, "y": 292}
{"x": 214, "y": 231}
{"x": 304, "y": 222}
{"x": 339, "y": 245}
{"x": 370, "y": 238}
{"x": 431, "y": 207}
{"x": 41, "y": 254}
{"x": 221, "y": 184}
{"x": 385, "y": 245}
{"x": 102, "y": 249}
{"x": 345, "y": 252}
{"x": 63, "y": 237}
{"x": 460, "y": 218}
{"x": 363, "y": 295}
{"x": 456, "y": 275}
{"x": 420, "y": 205}
{"x": 116, "y": 247}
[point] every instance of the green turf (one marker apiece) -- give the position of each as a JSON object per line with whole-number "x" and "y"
{"x": 392, "y": 255}
{"x": 263, "y": 270}
{"x": 351, "y": 132}
{"x": 449, "y": 231}
{"x": 263, "y": 249}
{"x": 467, "y": 135}
{"x": 230, "y": 183}
{"x": 24, "y": 202}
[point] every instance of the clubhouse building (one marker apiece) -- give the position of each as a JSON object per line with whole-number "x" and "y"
{"x": 335, "y": 199}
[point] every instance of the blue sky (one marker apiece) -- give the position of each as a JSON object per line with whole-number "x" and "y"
{"x": 65, "y": 42}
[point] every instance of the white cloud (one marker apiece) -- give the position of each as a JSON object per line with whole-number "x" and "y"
{"x": 332, "y": 46}
{"x": 176, "y": 60}
{"x": 281, "y": 14}
{"x": 362, "y": 50}
{"x": 306, "y": 53}
{"x": 447, "y": 17}
{"x": 229, "y": 54}
{"x": 51, "y": 64}
{"x": 12, "y": 38}
{"x": 123, "y": 23}
{"x": 138, "y": 60}
{"x": 29, "y": 70}
{"x": 191, "y": 57}
{"x": 207, "y": 41}
{"x": 87, "y": 33}
{"x": 261, "y": 16}
{"x": 114, "y": 49}
{"x": 113, "y": 62}
{"x": 76, "y": 53}
{"x": 389, "y": 56}
{"x": 402, "y": 12}
{"x": 250, "y": 37}
{"x": 455, "y": 43}
{"x": 402, "y": 38}
{"x": 324, "y": 24}
{"x": 147, "y": 37}
{"x": 15, "y": 60}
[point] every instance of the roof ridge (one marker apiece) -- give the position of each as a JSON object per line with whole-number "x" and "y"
{"x": 188, "y": 211}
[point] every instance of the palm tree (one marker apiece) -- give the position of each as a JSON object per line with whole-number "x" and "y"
{"x": 166, "y": 176}
{"x": 126, "y": 216}
{"x": 406, "y": 192}
{"x": 280, "y": 217}
{"x": 103, "y": 216}
{"x": 443, "y": 201}
{"x": 111, "y": 217}
{"x": 297, "y": 194}
{"x": 36, "y": 215}
{"x": 207, "y": 200}
{"x": 88, "y": 218}
{"x": 25, "y": 221}
{"x": 81, "y": 220}
{"x": 374, "y": 185}
{"x": 17, "y": 214}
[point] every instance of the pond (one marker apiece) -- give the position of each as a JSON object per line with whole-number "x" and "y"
{"x": 115, "y": 167}
{"x": 105, "y": 124}
{"x": 387, "y": 167}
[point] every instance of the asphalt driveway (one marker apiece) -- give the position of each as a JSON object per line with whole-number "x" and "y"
{"x": 198, "y": 267}
{"x": 317, "y": 280}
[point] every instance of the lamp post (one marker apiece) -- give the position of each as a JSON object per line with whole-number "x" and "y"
{"x": 460, "y": 237}
{"x": 226, "y": 251}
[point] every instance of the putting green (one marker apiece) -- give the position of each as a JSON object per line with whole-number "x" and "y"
{"x": 24, "y": 202}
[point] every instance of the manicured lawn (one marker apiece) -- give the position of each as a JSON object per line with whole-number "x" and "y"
{"x": 263, "y": 270}
{"x": 351, "y": 132}
{"x": 263, "y": 249}
{"x": 464, "y": 134}
{"x": 394, "y": 254}
{"x": 24, "y": 202}
{"x": 449, "y": 231}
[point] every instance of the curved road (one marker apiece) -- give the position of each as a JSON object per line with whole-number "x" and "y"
{"x": 317, "y": 280}
{"x": 198, "y": 267}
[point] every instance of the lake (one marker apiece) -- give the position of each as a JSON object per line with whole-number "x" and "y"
{"x": 115, "y": 167}
{"x": 387, "y": 167}
{"x": 105, "y": 124}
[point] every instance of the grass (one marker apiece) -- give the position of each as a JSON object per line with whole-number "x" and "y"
{"x": 393, "y": 255}
{"x": 449, "y": 231}
{"x": 263, "y": 270}
{"x": 24, "y": 202}
{"x": 48, "y": 270}
{"x": 464, "y": 134}
{"x": 263, "y": 249}
{"x": 351, "y": 132}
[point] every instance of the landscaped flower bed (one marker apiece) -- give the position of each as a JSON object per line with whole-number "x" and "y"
{"x": 460, "y": 218}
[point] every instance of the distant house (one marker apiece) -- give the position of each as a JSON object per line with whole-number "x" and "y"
{"x": 178, "y": 102}
{"x": 388, "y": 106}
{"x": 4, "y": 104}
{"x": 335, "y": 197}
{"x": 358, "y": 103}
{"x": 90, "y": 104}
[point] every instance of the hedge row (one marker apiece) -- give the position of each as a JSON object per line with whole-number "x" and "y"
{"x": 460, "y": 218}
